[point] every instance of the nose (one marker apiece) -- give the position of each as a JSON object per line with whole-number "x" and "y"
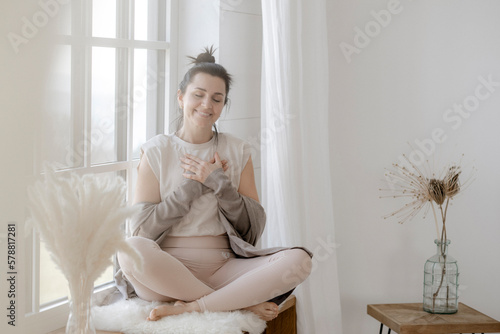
{"x": 207, "y": 103}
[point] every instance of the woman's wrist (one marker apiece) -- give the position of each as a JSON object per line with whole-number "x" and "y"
{"x": 217, "y": 181}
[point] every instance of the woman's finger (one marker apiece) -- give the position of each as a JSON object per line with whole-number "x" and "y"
{"x": 193, "y": 158}
{"x": 187, "y": 160}
{"x": 189, "y": 167}
{"x": 190, "y": 176}
{"x": 216, "y": 157}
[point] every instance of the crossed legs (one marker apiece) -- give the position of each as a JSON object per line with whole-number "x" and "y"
{"x": 233, "y": 284}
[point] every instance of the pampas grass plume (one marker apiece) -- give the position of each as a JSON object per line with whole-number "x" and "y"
{"x": 79, "y": 218}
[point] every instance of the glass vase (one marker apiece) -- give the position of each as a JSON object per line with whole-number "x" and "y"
{"x": 80, "y": 305}
{"x": 441, "y": 281}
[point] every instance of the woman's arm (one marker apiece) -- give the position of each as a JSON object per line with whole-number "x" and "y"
{"x": 240, "y": 207}
{"x": 147, "y": 188}
{"x": 247, "y": 182}
{"x": 157, "y": 215}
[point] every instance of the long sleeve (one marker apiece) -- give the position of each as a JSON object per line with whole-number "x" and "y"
{"x": 246, "y": 215}
{"x": 155, "y": 219}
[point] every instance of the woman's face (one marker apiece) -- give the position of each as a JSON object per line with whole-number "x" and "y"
{"x": 203, "y": 101}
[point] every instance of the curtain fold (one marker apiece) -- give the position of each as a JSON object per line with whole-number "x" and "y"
{"x": 296, "y": 182}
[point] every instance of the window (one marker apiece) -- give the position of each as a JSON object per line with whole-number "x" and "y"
{"x": 106, "y": 97}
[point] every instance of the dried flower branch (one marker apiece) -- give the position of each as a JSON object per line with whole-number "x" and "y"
{"x": 423, "y": 190}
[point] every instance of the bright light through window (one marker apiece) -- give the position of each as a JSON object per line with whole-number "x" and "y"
{"x": 141, "y": 19}
{"x": 140, "y": 98}
{"x": 103, "y": 138}
{"x": 104, "y": 18}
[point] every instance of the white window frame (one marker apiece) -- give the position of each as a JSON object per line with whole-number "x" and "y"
{"x": 54, "y": 315}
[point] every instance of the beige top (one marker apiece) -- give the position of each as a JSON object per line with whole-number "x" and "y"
{"x": 163, "y": 153}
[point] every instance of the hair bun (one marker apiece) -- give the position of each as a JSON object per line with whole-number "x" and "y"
{"x": 205, "y": 57}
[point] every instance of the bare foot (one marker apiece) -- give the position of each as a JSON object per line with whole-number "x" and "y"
{"x": 179, "y": 307}
{"x": 266, "y": 311}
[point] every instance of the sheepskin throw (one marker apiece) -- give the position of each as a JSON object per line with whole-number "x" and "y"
{"x": 129, "y": 317}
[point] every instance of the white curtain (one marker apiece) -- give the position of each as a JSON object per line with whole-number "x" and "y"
{"x": 296, "y": 187}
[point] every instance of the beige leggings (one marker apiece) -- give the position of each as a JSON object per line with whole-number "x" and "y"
{"x": 205, "y": 269}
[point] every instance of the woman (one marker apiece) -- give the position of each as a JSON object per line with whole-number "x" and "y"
{"x": 201, "y": 217}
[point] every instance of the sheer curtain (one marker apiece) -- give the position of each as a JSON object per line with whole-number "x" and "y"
{"x": 296, "y": 187}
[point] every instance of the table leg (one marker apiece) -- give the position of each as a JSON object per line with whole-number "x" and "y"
{"x": 382, "y": 327}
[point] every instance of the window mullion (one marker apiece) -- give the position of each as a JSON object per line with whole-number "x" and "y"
{"x": 156, "y": 66}
{"x": 86, "y": 79}
{"x": 130, "y": 95}
{"x": 129, "y": 111}
{"x": 122, "y": 80}
{"x": 173, "y": 39}
{"x": 124, "y": 22}
{"x": 122, "y": 103}
{"x": 131, "y": 20}
{"x": 159, "y": 12}
{"x": 77, "y": 150}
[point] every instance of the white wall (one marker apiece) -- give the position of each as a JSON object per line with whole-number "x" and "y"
{"x": 23, "y": 68}
{"x": 396, "y": 90}
{"x": 240, "y": 53}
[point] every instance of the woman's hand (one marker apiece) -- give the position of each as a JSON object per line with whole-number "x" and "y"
{"x": 198, "y": 169}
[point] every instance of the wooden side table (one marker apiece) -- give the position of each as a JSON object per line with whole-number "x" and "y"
{"x": 412, "y": 319}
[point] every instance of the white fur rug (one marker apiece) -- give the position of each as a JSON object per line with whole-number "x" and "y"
{"x": 129, "y": 317}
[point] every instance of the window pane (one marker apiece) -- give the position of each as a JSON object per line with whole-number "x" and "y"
{"x": 58, "y": 144}
{"x": 103, "y": 138}
{"x": 104, "y": 18}
{"x": 149, "y": 86}
{"x": 141, "y": 19}
{"x": 53, "y": 284}
{"x": 140, "y": 99}
{"x": 149, "y": 20}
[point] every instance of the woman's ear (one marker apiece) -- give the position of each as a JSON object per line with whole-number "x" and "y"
{"x": 180, "y": 97}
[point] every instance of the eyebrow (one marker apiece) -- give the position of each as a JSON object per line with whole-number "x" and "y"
{"x": 199, "y": 88}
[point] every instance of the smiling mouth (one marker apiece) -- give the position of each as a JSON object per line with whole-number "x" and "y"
{"x": 204, "y": 114}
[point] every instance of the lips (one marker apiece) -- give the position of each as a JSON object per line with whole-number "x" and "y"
{"x": 203, "y": 114}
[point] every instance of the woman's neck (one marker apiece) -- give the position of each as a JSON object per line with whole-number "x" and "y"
{"x": 194, "y": 136}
